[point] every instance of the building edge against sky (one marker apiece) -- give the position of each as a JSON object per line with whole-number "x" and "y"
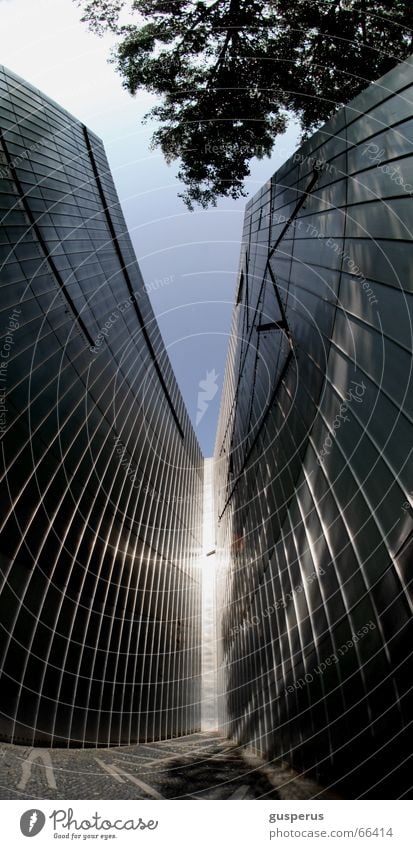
{"x": 313, "y": 463}
{"x": 102, "y": 475}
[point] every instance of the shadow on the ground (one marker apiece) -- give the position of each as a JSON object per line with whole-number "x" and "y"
{"x": 218, "y": 775}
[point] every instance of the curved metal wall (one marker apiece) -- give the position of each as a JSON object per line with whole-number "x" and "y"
{"x": 314, "y": 481}
{"x": 102, "y": 473}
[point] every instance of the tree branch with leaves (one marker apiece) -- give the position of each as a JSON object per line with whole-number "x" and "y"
{"x": 229, "y": 74}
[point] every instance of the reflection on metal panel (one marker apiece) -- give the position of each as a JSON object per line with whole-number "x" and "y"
{"x": 102, "y": 475}
{"x": 209, "y": 709}
{"x": 313, "y": 463}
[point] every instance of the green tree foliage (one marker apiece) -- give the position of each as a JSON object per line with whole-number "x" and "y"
{"x": 230, "y": 73}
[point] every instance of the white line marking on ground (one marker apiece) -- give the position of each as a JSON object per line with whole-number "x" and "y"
{"x": 120, "y": 775}
{"x": 37, "y": 755}
{"x": 240, "y": 792}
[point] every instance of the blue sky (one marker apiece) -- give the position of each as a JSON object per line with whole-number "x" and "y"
{"x": 189, "y": 260}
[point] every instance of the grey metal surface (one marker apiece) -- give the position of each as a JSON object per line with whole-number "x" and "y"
{"x": 313, "y": 463}
{"x": 99, "y": 601}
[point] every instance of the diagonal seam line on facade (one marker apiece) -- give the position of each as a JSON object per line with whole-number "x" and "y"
{"x": 124, "y": 269}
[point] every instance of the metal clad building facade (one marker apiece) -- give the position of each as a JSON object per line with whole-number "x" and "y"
{"x": 101, "y": 471}
{"x": 314, "y": 471}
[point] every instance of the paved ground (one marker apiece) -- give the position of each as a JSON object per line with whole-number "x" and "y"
{"x": 200, "y": 766}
